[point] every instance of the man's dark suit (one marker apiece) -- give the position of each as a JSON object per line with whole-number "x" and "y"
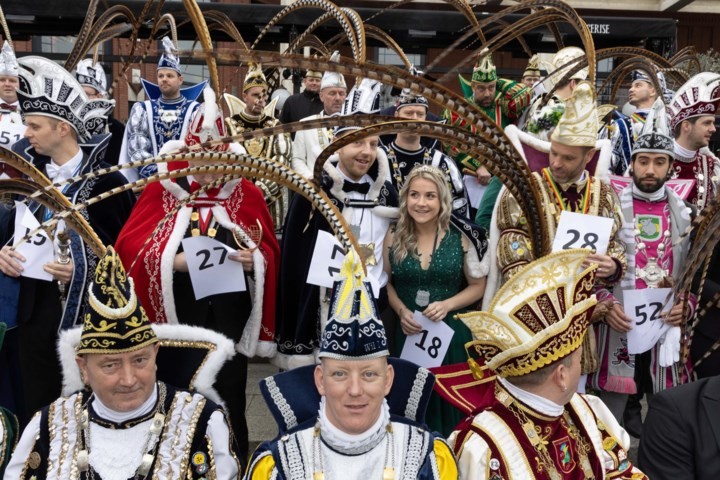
{"x": 681, "y": 434}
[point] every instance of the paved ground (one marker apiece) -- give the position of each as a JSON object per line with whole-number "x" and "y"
{"x": 260, "y": 423}
{"x": 262, "y": 426}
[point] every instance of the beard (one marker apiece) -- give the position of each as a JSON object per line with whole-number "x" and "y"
{"x": 648, "y": 187}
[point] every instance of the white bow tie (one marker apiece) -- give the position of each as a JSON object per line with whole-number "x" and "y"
{"x": 53, "y": 171}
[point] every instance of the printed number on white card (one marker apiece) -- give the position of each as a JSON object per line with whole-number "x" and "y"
{"x": 645, "y": 307}
{"x": 211, "y": 271}
{"x": 10, "y": 133}
{"x": 327, "y": 259}
{"x": 576, "y": 230}
{"x": 427, "y": 348}
{"x": 37, "y": 250}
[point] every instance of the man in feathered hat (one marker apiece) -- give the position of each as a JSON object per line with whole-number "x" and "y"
{"x": 91, "y": 76}
{"x": 126, "y": 423}
{"x": 59, "y": 142}
{"x": 357, "y": 180}
{"x": 503, "y": 100}
{"x": 164, "y": 116}
{"x": 626, "y": 129}
{"x": 371, "y": 407}
{"x": 309, "y": 143}
{"x": 655, "y": 221}
{"x": 303, "y": 104}
{"x": 252, "y": 112}
{"x": 232, "y": 213}
{"x": 406, "y": 151}
{"x": 531, "y": 423}
{"x": 692, "y": 120}
{"x": 566, "y": 185}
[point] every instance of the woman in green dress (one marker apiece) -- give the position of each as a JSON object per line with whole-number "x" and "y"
{"x": 434, "y": 264}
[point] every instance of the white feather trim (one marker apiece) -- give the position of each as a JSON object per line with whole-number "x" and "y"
{"x": 602, "y": 168}
{"x": 494, "y": 279}
{"x": 210, "y": 108}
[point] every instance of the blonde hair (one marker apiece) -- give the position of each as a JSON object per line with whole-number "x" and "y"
{"x": 405, "y": 239}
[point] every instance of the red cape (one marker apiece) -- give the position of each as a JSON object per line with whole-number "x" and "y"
{"x": 244, "y": 206}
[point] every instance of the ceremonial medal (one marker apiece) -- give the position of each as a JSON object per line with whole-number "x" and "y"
{"x": 34, "y": 460}
{"x": 422, "y": 298}
{"x": 651, "y": 273}
{"x": 195, "y": 232}
{"x": 367, "y": 253}
{"x": 254, "y": 147}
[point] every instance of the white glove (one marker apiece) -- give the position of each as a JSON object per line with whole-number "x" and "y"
{"x": 669, "y": 350}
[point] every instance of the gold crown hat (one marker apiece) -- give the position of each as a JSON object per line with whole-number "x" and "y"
{"x": 538, "y": 317}
{"x": 579, "y": 124}
{"x": 255, "y": 77}
{"x": 533, "y": 67}
{"x": 333, "y": 79}
{"x": 116, "y": 322}
{"x": 353, "y": 330}
{"x": 8, "y": 62}
{"x": 484, "y": 70}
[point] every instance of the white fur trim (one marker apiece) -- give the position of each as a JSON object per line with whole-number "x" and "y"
{"x": 375, "y": 187}
{"x": 248, "y": 344}
{"x": 386, "y": 212}
{"x": 494, "y": 279}
{"x": 67, "y": 341}
{"x": 477, "y": 268}
{"x": 204, "y": 380}
{"x": 176, "y": 190}
{"x": 602, "y": 168}
{"x": 224, "y": 351}
{"x": 290, "y": 362}
{"x": 182, "y": 220}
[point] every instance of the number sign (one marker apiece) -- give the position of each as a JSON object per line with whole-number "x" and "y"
{"x": 427, "y": 348}
{"x": 576, "y": 230}
{"x": 327, "y": 259}
{"x": 211, "y": 271}
{"x": 645, "y": 306}
{"x": 38, "y": 250}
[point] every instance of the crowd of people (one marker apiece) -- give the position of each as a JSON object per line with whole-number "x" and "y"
{"x": 140, "y": 269}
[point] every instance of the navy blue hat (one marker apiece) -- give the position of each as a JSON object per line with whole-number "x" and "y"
{"x": 354, "y": 330}
{"x": 169, "y": 58}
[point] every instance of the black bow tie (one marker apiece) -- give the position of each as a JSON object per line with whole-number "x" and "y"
{"x": 356, "y": 187}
